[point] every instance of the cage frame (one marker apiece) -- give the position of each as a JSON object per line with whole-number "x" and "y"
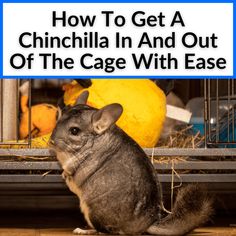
{"x": 170, "y": 152}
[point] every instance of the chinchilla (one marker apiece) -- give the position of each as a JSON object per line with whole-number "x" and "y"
{"x": 116, "y": 183}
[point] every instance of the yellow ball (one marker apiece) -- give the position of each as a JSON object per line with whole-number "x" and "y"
{"x": 143, "y": 102}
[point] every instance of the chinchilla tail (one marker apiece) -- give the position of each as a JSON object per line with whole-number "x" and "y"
{"x": 193, "y": 207}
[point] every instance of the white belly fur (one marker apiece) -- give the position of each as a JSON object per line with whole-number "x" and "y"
{"x": 84, "y": 208}
{"x": 62, "y": 158}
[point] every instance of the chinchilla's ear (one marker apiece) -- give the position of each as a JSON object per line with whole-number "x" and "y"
{"x": 83, "y": 97}
{"x": 104, "y": 118}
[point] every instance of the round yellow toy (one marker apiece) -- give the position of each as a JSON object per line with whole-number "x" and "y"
{"x": 143, "y": 102}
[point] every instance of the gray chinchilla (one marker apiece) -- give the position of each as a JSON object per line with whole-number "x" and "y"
{"x": 116, "y": 183}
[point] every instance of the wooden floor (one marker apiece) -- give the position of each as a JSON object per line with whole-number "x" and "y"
{"x": 213, "y": 231}
{"x": 62, "y": 223}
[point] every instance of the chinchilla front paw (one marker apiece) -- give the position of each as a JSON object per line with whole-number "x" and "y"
{"x": 65, "y": 175}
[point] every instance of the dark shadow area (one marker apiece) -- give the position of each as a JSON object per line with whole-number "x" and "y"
{"x": 42, "y": 219}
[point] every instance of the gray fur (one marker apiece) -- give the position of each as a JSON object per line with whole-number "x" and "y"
{"x": 117, "y": 185}
{"x": 192, "y": 208}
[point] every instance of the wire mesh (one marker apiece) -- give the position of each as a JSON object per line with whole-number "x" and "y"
{"x": 219, "y": 113}
{"x": 220, "y": 102}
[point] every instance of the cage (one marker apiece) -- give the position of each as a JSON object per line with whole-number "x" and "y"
{"x": 220, "y": 113}
{"x": 32, "y": 175}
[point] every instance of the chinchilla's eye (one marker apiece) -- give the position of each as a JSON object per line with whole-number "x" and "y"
{"x": 74, "y": 130}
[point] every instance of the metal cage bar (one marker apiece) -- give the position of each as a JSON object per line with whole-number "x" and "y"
{"x": 212, "y": 127}
{"x": 220, "y": 113}
{"x": 213, "y": 116}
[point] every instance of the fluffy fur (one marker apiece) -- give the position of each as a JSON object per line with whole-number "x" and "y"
{"x": 115, "y": 181}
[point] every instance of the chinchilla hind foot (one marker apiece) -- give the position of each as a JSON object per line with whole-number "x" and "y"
{"x": 80, "y": 231}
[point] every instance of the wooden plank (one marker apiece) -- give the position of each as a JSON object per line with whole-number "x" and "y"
{"x": 205, "y": 178}
{"x": 184, "y": 165}
{"x": 197, "y": 165}
{"x": 149, "y": 151}
{"x": 206, "y": 231}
